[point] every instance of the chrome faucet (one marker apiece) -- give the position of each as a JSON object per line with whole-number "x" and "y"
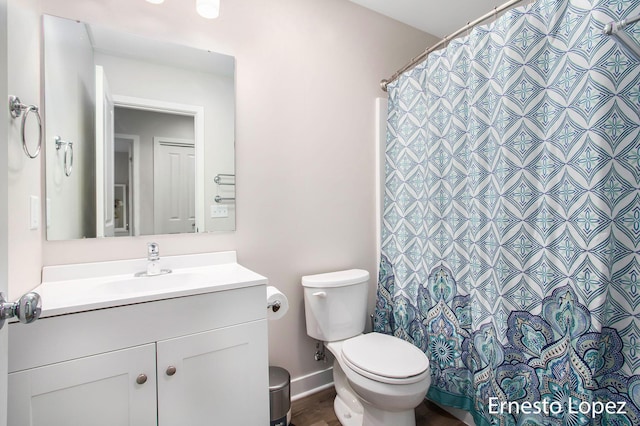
{"x": 153, "y": 252}
{"x": 153, "y": 262}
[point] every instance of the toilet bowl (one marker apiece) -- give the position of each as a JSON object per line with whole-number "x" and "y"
{"x": 379, "y": 379}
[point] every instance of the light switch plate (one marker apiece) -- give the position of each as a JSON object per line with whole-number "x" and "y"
{"x": 219, "y": 210}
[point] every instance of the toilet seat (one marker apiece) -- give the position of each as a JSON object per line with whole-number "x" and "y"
{"x": 384, "y": 358}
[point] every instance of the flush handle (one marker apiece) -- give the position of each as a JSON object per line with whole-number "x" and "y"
{"x": 27, "y": 309}
{"x": 320, "y": 294}
{"x": 171, "y": 370}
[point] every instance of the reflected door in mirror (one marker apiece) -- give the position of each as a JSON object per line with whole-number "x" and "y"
{"x": 174, "y": 189}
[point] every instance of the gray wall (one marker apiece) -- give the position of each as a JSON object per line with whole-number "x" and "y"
{"x": 214, "y": 93}
{"x": 69, "y": 104}
{"x": 146, "y": 125}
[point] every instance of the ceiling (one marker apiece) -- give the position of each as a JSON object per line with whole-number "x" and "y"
{"x": 436, "y": 17}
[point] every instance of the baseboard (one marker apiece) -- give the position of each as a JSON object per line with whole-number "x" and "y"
{"x": 311, "y": 383}
{"x": 462, "y": 415}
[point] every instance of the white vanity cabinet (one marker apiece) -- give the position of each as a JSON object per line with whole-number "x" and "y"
{"x": 194, "y": 360}
{"x": 99, "y": 390}
{"x": 214, "y": 377}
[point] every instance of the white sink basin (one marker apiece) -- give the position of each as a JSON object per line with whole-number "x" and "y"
{"x": 75, "y": 288}
{"x": 173, "y": 280}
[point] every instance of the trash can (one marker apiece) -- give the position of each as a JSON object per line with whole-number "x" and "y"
{"x": 279, "y": 396}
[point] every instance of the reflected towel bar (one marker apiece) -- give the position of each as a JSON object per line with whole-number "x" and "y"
{"x": 68, "y": 154}
{"x": 220, "y": 176}
{"x": 219, "y": 199}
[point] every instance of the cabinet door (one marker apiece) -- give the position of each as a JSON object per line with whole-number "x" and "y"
{"x": 221, "y": 377}
{"x": 99, "y": 390}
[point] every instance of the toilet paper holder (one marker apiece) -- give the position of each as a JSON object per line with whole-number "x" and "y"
{"x": 275, "y": 306}
{"x": 277, "y": 303}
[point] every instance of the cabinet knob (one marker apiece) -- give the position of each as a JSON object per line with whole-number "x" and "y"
{"x": 171, "y": 370}
{"x": 141, "y": 379}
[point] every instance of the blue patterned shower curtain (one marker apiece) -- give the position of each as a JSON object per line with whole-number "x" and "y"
{"x": 511, "y": 234}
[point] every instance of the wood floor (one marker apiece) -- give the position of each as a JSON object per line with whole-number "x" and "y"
{"x": 317, "y": 410}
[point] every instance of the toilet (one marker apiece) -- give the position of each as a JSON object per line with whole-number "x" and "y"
{"x": 379, "y": 379}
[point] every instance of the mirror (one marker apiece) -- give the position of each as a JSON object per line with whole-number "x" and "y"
{"x": 139, "y": 134}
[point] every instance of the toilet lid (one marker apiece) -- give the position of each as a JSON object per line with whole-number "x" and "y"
{"x": 384, "y": 356}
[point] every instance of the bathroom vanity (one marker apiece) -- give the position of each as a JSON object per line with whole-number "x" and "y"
{"x": 114, "y": 349}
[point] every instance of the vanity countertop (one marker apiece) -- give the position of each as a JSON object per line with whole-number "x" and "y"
{"x": 70, "y": 289}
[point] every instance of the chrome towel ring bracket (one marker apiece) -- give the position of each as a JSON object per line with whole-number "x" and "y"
{"x": 68, "y": 154}
{"x": 16, "y": 108}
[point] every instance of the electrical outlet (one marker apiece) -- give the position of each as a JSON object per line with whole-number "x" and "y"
{"x": 219, "y": 210}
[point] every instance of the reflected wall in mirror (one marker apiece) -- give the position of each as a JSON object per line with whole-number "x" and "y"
{"x": 145, "y": 133}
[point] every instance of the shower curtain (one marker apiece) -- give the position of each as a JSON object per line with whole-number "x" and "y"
{"x": 511, "y": 229}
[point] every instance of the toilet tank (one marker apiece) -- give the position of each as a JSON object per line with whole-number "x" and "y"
{"x": 336, "y": 304}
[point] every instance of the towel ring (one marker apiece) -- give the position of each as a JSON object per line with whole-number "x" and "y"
{"x": 68, "y": 153}
{"x": 16, "y": 108}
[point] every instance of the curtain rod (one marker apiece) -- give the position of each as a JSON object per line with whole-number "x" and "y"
{"x": 415, "y": 61}
{"x": 615, "y": 29}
